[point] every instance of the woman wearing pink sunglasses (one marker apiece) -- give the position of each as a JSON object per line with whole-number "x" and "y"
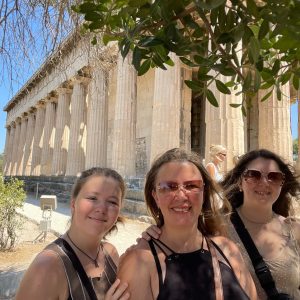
{"x": 260, "y": 189}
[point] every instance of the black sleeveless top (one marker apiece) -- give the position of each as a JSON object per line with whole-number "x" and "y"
{"x": 190, "y": 275}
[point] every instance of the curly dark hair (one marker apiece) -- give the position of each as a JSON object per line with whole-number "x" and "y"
{"x": 211, "y": 221}
{"x": 289, "y": 189}
{"x": 105, "y": 172}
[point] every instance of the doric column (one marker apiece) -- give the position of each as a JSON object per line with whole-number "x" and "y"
{"x": 225, "y": 125}
{"x": 49, "y": 134}
{"x": 62, "y": 129}
{"x": 77, "y": 141}
{"x": 123, "y": 150}
{"x": 96, "y": 143}
{"x": 8, "y": 167}
{"x": 166, "y": 110}
{"x": 21, "y": 145}
{"x": 14, "y": 158}
{"x": 38, "y": 139}
{"x": 6, "y": 156}
{"x": 274, "y": 124}
{"x": 27, "y": 163}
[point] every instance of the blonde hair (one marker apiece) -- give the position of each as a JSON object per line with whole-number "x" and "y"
{"x": 216, "y": 149}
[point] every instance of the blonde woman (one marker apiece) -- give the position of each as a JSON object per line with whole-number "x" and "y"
{"x": 218, "y": 155}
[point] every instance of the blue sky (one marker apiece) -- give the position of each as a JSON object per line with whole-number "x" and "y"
{"x": 6, "y": 94}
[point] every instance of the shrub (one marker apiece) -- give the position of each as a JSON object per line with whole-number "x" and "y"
{"x": 12, "y": 196}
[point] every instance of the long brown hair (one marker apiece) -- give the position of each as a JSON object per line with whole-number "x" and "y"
{"x": 289, "y": 189}
{"x": 210, "y": 222}
{"x": 105, "y": 172}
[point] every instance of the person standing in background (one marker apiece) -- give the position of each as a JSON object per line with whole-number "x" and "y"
{"x": 218, "y": 155}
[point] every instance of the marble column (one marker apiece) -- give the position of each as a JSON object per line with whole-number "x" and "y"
{"x": 225, "y": 125}
{"x": 62, "y": 128}
{"x": 14, "y": 158}
{"x": 38, "y": 139}
{"x": 10, "y": 149}
{"x": 6, "y": 155}
{"x": 77, "y": 140}
{"x": 274, "y": 124}
{"x": 124, "y": 132}
{"x": 97, "y": 123}
{"x": 21, "y": 146}
{"x": 165, "y": 132}
{"x": 27, "y": 163}
{"x": 49, "y": 134}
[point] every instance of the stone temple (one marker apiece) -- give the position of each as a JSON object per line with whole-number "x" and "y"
{"x": 86, "y": 106}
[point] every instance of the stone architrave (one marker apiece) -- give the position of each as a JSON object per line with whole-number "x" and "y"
{"x": 21, "y": 146}
{"x": 49, "y": 134}
{"x": 62, "y": 129}
{"x": 6, "y": 155}
{"x": 96, "y": 143}
{"x": 274, "y": 123}
{"x": 14, "y": 158}
{"x": 29, "y": 143}
{"x": 10, "y": 149}
{"x": 225, "y": 125}
{"x": 38, "y": 139}
{"x": 77, "y": 140}
{"x": 165, "y": 133}
{"x": 124, "y": 132}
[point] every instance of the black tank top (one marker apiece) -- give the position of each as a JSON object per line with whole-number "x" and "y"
{"x": 189, "y": 276}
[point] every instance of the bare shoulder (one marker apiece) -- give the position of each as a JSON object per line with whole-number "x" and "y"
{"x": 226, "y": 245}
{"x": 45, "y": 278}
{"x": 140, "y": 252}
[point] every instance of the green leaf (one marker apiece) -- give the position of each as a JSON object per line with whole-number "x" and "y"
{"x": 108, "y": 38}
{"x": 211, "y": 98}
{"x": 276, "y": 67}
{"x": 194, "y": 85}
{"x": 296, "y": 82}
{"x": 150, "y": 42}
{"x": 209, "y": 4}
{"x": 285, "y": 43}
{"x": 144, "y": 67}
{"x": 247, "y": 82}
{"x": 235, "y": 105}
{"x": 136, "y": 57}
{"x": 204, "y": 77}
{"x": 124, "y": 47}
{"x": 264, "y": 98}
{"x": 188, "y": 62}
{"x": 284, "y": 78}
{"x": 254, "y": 49}
{"x": 251, "y": 6}
{"x": 256, "y": 81}
{"x": 244, "y": 111}
{"x": 264, "y": 29}
{"x": 222, "y": 87}
{"x": 278, "y": 93}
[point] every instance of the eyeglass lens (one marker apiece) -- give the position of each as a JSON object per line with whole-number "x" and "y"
{"x": 272, "y": 177}
{"x": 192, "y": 186}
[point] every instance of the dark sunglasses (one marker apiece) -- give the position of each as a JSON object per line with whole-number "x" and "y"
{"x": 254, "y": 176}
{"x": 170, "y": 187}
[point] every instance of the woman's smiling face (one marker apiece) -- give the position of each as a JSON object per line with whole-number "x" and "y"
{"x": 180, "y": 207}
{"x": 97, "y": 206}
{"x": 261, "y": 192}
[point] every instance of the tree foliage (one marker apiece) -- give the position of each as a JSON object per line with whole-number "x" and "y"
{"x": 12, "y": 196}
{"x": 29, "y": 31}
{"x": 255, "y": 44}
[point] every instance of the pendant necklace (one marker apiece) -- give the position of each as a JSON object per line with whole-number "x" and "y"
{"x": 94, "y": 260}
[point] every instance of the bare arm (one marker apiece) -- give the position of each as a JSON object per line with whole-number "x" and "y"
{"x": 134, "y": 269}
{"x": 235, "y": 258}
{"x": 44, "y": 279}
{"x": 211, "y": 170}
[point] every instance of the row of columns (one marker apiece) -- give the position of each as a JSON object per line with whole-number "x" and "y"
{"x": 68, "y": 131}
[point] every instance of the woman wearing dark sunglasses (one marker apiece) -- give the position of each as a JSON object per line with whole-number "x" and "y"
{"x": 190, "y": 260}
{"x": 260, "y": 189}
